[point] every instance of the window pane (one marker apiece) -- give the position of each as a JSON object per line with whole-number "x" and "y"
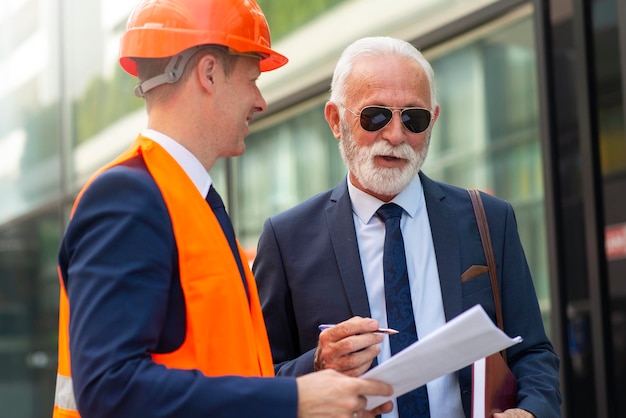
{"x": 487, "y": 135}
{"x": 104, "y": 114}
{"x": 612, "y": 147}
{"x": 30, "y": 105}
{"x": 29, "y": 295}
{"x": 284, "y": 164}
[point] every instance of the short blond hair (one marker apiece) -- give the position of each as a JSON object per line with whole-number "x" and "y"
{"x": 148, "y": 68}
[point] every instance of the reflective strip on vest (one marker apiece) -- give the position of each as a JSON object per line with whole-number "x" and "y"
{"x": 64, "y": 394}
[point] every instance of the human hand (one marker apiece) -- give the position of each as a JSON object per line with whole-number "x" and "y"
{"x": 514, "y": 413}
{"x": 330, "y": 394}
{"x": 349, "y": 347}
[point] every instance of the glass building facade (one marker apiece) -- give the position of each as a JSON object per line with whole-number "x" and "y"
{"x": 531, "y": 96}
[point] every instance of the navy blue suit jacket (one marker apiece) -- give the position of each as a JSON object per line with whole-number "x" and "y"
{"x": 309, "y": 272}
{"x": 119, "y": 261}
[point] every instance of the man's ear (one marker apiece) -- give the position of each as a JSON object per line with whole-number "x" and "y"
{"x": 206, "y": 71}
{"x": 331, "y": 113}
{"x": 436, "y": 114}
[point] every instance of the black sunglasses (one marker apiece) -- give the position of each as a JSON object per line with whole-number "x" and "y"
{"x": 374, "y": 118}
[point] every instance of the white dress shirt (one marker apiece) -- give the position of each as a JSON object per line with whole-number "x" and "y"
{"x": 189, "y": 163}
{"x": 443, "y": 393}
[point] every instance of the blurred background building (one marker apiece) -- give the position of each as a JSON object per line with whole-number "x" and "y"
{"x": 532, "y": 110}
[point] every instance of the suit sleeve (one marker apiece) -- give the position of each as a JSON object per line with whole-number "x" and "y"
{"x": 277, "y": 306}
{"x": 118, "y": 257}
{"x": 534, "y": 362}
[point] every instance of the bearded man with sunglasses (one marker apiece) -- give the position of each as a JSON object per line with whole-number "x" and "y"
{"x": 325, "y": 260}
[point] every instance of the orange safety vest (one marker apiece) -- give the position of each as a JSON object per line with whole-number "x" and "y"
{"x": 211, "y": 290}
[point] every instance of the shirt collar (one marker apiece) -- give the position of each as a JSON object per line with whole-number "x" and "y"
{"x": 189, "y": 163}
{"x": 364, "y": 205}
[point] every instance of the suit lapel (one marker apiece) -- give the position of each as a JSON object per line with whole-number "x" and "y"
{"x": 345, "y": 247}
{"x": 446, "y": 242}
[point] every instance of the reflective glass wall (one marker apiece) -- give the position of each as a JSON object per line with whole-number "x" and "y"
{"x": 30, "y": 101}
{"x": 583, "y": 77}
{"x": 30, "y": 216}
{"x": 610, "y": 85}
{"x": 487, "y": 135}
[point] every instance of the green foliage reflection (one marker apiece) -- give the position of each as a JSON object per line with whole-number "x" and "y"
{"x": 285, "y": 16}
{"x": 103, "y": 102}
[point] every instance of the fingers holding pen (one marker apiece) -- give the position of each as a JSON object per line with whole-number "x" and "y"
{"x": 349, "y": 347}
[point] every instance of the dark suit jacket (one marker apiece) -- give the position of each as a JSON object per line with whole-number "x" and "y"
{"x": 120, "y": 264}
{"x": 309, "y": 272}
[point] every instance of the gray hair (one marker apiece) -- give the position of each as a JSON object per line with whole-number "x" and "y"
{"x": 375, "y": 47}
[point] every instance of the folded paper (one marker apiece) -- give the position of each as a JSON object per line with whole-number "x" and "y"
{"x": 460, "y": 342}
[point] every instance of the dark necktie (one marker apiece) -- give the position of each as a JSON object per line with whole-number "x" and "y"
{"x": 399, "y": 307}
{"x": 217, "y": 205}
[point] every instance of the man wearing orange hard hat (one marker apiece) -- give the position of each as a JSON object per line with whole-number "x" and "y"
{"x": 159, "y": 312}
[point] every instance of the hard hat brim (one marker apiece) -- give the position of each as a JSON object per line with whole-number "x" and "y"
{"x": 139, "y": 43}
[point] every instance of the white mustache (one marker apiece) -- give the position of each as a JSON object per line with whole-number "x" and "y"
{"x": 403, "y": 150}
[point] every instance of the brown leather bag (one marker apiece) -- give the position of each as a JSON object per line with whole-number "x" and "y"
{"x": 500, "y": 386}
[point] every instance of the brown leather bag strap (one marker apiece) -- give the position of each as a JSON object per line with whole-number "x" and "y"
{"x": 485, "y": 238}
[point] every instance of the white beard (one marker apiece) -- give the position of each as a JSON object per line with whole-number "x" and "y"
{"x": 380, "y": 180}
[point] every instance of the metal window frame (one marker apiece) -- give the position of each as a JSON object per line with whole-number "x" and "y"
{"x": 591, "y": 191}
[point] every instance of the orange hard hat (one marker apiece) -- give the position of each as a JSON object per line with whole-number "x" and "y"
{"x": 164, "y": 28}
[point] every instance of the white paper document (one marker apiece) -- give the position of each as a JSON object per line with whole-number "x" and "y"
{"x": 465, "y": 339}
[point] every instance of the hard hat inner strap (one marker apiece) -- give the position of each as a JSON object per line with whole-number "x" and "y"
{"x": 172, "y": 73}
